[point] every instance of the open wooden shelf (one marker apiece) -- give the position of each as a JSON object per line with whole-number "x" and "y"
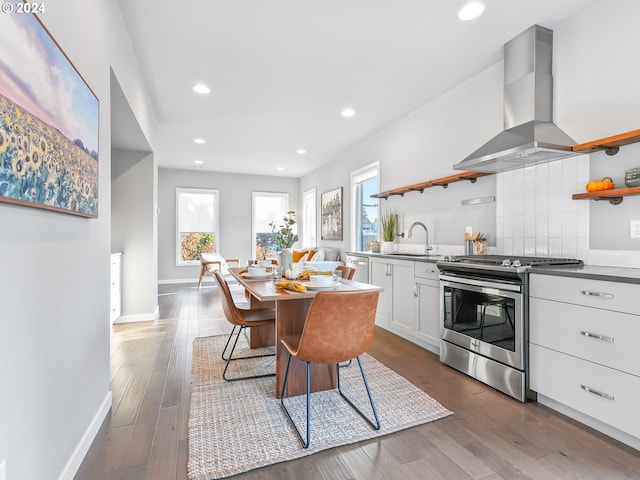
{"x": 438, "y": 182}
{"x": 614, "y": 196}
{"x": 610, "y": 144}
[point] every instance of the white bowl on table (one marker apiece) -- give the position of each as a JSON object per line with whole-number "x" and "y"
{"x": 321, "y": 280}
{"x": 265, "y": 263}
{"x": 257, "y": 271}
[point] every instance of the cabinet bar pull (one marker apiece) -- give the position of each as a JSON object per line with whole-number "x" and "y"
{"x": 597, "y": 294}
{"x": 596, "y": 392}
{"x": 597, "y": 337}
{"x": 428, "y": 271}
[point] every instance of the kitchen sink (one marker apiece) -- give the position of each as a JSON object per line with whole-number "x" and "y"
{"x": 421, "y": 255}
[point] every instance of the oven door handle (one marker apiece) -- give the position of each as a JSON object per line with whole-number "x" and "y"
{"x": 481, "y": 283}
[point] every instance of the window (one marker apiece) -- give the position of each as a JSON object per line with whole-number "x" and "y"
{"x": 309, "y": 238}
{"x": 267, "y": 207}
{"x": 364, "y": 183}
{"x": 197, "y": 224}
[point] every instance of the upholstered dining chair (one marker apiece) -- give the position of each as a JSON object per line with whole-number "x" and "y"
{"x": 347, "y": 272}
{"x": 212, "y": 262}
{"x": 339, "y": 326}
{"x": 241, "y": 319}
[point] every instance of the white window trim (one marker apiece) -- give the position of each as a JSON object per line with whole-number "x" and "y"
{"x": 308, "y": 225}
{"x": 208, "y": 191}
{"x": 359, "y": 176}
{"x": 253, "y": 206}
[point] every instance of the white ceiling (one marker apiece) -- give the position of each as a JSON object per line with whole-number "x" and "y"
{"x": 280, "y": 71}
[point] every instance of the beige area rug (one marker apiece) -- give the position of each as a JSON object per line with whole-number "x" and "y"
{"x": 239, "y": 426}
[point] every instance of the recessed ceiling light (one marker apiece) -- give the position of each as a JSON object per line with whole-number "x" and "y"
{"x": 201, "y": 88}
{"x": 279, "y": 168}
{"x": 200, "y": 141}
{"x": 348, "y": 112}
{"x": 470, "y": 11}
{"x": 197, "y": 162}
{"x": 301, "y": 151}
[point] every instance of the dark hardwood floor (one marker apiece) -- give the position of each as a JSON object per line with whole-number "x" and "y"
{"x": 489, "y": 437}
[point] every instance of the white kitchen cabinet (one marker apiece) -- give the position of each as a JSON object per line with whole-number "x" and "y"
{"x": 396, "y": 302}
{"x": 115, "y": 303}
{"x": 409, "y": 306}
{"x": 582, "y": 336}
{"x": 428, "y": 327}
{"x": 378, "y": 276}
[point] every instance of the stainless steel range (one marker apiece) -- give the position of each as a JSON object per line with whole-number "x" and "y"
{"x": 485, "y": 311}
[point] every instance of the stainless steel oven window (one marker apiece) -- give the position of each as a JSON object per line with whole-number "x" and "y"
{"x": 487, "y": 317}
{"x": 488, "y": 321}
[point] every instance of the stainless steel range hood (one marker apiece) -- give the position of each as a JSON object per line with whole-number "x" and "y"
{"x": 530, "y": 136}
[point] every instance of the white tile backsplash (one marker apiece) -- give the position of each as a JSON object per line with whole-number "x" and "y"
{"x": 536, "y": 214}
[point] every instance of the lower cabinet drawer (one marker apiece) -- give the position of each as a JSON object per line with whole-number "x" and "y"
{"x": 603, "y": 393}
{"x": 614, "y": 296}
{"x": 426, "y": 270}
{"x": 600, "y": 336}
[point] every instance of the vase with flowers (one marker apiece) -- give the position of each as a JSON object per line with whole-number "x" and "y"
{"x": 284, "y": 237}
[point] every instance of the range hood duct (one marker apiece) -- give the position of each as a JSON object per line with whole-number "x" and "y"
{"x": 530, "y": 137}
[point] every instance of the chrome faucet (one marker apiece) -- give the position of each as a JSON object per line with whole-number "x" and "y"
{"x": 427, "y": 247}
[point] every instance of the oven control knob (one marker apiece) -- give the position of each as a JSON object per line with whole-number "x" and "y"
{"x": 516, "y": 263}
{"x": 506, "y": 262}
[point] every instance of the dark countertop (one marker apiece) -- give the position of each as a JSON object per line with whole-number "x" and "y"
{"x": 593, "y": 272}
{"x": 400, "y": 256}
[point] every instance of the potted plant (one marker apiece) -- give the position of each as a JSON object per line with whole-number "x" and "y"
{"x": 285, "y": 237}
{"x": 389, "y": 225}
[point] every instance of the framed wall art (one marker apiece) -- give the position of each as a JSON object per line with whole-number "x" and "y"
{"x": 48, "y": 123}
{"x": 331, "y": 214}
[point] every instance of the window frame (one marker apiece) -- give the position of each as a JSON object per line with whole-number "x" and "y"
{"x": 216, "y": 217}
{"x": 310, "y": 225}
{"x": 277, "y": 221}
{"x": 357, "y": 177}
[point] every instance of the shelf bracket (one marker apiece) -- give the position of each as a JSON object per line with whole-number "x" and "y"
{"x": 612, "y": 200}
{"x": 472, "y": 180}
{"x": 611, "y": 151}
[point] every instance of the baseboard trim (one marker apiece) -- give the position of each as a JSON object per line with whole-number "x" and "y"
{"x": 74, "y": 462}
{"x": 185, "y": 280}
{"x": 140, "y": 317}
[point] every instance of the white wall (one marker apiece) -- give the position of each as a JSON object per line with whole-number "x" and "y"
{"x": 54, "y": 314}
{"x": 235, "y": 213}
{"x": 596, "y": 95}
{"x": 134, "y": 231}
{"x": 593, "y": 102}
{"x": 422, "y": 146}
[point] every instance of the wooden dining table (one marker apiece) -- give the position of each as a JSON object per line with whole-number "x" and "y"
{"x": 291, "y": 313}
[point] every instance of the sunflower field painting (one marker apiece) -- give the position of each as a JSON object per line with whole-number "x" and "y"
{"x": 48, "y": 123}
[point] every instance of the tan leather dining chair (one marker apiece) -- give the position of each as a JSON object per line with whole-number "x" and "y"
{"x": 241, "y": 319}
{"x": 339, "y": 326}
{"x": 347, "y": 272}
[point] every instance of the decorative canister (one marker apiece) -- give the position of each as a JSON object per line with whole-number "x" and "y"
{"x": 632, "y": 177}
{"x": 375, "y": 247}
{"x": 480, "y": 246}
